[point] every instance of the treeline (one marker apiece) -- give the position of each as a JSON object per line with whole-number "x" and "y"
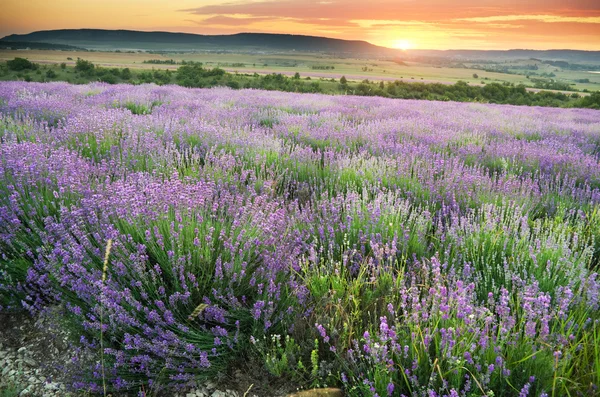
{"x": 168, "y": 62}
{"x": 195, "y": 75}
{"x": 232, "y": 65}
{"x": 17, "y": 45}
{"x": 569, "y": 66}
{"x": 161, "y": 61}
{"x": 489, "y": 93}
{"x": 551, "y": 84}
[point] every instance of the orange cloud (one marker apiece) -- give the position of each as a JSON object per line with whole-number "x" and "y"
{"x": 540, "y": 18}
{"x": 438, "y": 24}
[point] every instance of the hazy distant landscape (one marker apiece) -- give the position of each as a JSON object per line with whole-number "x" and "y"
{"x": 264, "y": 53}
{"x": 299, "y": 198}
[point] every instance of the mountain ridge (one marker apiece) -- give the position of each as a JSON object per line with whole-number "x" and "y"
{"x": 93, "y": 38}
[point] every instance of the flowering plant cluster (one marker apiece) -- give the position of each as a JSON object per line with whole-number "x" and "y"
{"x": 431, "y": 249}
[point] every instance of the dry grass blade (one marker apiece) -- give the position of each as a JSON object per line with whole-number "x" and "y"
{"x": 104, "y": 272}
{"x": 199, "y": 309}
{"x": 106, "y": 256}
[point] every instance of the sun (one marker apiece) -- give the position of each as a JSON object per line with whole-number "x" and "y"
{"x": 403, "y": 44}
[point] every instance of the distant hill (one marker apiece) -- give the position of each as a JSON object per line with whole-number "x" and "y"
{"x": 31, "y": 45}
{"x": 164, "y": 41}
{"x": 101, "y": 39}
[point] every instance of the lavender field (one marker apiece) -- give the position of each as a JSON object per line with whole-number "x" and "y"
{"x": 386, "y": 247}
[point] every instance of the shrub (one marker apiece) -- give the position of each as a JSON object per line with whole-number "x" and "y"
{"x": 19, "y": 64}
{"x": 109, "y": 78}
{"x": 84, "y": 66}
{"x": 125, "y": 74}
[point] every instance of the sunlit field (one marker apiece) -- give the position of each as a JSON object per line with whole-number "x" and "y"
{"x": 385, "y": 247}
{"x": 309, "y": 64}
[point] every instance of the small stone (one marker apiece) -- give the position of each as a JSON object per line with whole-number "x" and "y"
{"x": 32, "y": 380}
{"x": 327, "y": 392}
{"x": 22, "y": 350}
{"x": 209, "y": 385}
{"x": 51, "y": 386}
{"x": 190, "y": 395}
{"x": 30, "y": 361}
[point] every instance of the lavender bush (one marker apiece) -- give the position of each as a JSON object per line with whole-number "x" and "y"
{"x": 390, "y": 247}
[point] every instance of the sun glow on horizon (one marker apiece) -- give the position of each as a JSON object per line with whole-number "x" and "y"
{"x": 403, "y": 44}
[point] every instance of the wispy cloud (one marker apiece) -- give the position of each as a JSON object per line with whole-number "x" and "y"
{"x": 370, "y": 23}
{"x": 231, "y": 20}
{"x": 539, "y": 18}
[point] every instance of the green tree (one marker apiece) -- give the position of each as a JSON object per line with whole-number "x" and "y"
{"x": 109, "y": 78}
{"x": 343, "y": 80}
{"x": 84, "y": 66}
{"x": 126, "y": 74}
{"x": 19, "y": 64}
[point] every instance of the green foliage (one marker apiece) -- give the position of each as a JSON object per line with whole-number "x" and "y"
{"x": 139, "y": 108}
{"x": 591, "y": 101}
{"x": 314, "y": 360}
{"x": 194, "y": 75}
{"x": 86, "y": 67}
{"x": 19, "y": 64}
{"x": 126, "y": 74}
{"x": 110, "y": 79}
{"x": 550, "y": 84}
{"x": 283, "y": 357}
{"x": 10, "y": 390}
{"x": 160, "y": 61}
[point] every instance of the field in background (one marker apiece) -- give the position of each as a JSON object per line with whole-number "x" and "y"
{"x": 313, "y": 64}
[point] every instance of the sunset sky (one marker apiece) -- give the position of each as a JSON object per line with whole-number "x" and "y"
{"x": 421, "y": 24}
